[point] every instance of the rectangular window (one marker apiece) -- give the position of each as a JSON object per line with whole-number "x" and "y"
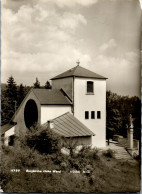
{"x": 90, "y": 87}
{"x": 11, "y": 140}
{"x": 92, "y": 114}
{"x": 86, "y": 114}
{"x": 98, "y": 114}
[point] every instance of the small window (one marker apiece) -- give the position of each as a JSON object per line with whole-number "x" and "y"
{"x": 11, "y": 140}
{"x": 86, "y": 114}
{"x": 92, "y": 114}
{"x": 90, "y": 87}
{"x": 98, "y": 114}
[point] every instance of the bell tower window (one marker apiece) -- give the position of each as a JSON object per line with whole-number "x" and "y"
{"x": 90, "y": 87}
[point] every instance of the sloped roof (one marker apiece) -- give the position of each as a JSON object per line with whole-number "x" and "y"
{"x": 6, "y": 127}
{"x": 50, "y": 97}
{"x": 69, "y": 126}
{"x": 67, "y": 92}
{"x": 78, "y": 71}
{"x": 47, "y": 97}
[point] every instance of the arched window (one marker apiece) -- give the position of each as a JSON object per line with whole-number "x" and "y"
{"x": 90, "y": 87}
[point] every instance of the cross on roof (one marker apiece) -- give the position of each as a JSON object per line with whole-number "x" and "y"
{"x": 78, "y": 62}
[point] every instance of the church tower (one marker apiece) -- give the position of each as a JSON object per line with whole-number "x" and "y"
{"x": 87, "y": 92}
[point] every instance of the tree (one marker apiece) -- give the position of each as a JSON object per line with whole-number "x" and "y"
{"x": 113, "y": 121}
{"x": 136, "y": 102}
{"x": 8, "y": 101}
{"x": 47, "y": 85}
{"x": 11, "y": 89}
{"x": 37, "y": 83}
{"x": 118, "y": 110}
{"x": 5, "y": 110}
{"x": 21, "y": 94}
{"x": 11, "y": 97}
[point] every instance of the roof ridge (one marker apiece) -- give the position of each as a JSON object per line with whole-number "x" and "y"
{"x": 66, "y": 95}
{"x": 75, "y": 69}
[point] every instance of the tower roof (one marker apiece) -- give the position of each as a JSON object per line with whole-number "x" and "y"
{"x": 79, "y": 71}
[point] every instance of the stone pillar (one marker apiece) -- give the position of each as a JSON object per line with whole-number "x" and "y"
{"x": 130, "y": 133}
{"x": 131, "y": 138}
{"x": 132, "y": 151}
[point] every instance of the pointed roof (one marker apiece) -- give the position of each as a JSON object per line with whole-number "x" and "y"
{"x": 79, "y": 71}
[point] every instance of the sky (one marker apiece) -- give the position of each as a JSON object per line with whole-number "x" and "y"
{"x": 43, "y": 38}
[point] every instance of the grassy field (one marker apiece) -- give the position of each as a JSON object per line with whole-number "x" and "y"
{"x": 87, "y": 170}
{"x": 117, "y": 175}
{"x": 106, "y": 174}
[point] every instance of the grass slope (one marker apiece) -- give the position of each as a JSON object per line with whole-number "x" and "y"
{"x": 106, "y": 173}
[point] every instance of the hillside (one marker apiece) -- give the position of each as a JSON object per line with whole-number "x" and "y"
{"x": 26, "y": 168}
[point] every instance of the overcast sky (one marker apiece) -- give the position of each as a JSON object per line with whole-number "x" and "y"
{"x": 42, "y": 38}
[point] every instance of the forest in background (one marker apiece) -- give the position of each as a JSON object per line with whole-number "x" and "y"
{"x": 118, "y": 107}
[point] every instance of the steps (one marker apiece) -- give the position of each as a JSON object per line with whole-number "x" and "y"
{"x": 119, "y": 150}
{"x": 121, "y": 153}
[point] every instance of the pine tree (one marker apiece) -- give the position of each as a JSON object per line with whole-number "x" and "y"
{"x": 21, "y": 94}
{"x": 11, "y": 89}
{"x": 37, "y": 83}
{"x": 47, "y": 85}
{"x": 8, "y": 100}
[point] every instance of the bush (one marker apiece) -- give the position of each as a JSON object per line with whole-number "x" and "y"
{"x": 81, "y": 159}
{"x": 109, "y": 153}
{"x": 42, "y": 139}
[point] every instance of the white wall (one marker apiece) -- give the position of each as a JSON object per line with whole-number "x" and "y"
{"x": 49, "y": 112}
{"x": 8, "y": 133}
{"x": 96, "y": 102}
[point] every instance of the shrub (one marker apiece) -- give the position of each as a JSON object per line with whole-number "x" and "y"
{"x": 88, "y": 152}
{"x": 42, "y": 139}
{"x": 82, "y": 159}
{"x": 109, "y": 153}
{"x": 70, "y": 144}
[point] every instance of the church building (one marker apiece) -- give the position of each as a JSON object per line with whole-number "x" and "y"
{"x": 74, "y": 107}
